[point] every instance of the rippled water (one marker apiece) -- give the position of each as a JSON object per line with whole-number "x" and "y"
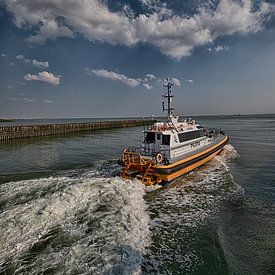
{"x": 64, "y": 210}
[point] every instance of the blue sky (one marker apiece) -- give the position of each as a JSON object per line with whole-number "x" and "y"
{"x": 92, "y": 58}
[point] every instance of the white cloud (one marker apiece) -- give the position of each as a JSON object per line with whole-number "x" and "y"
{"x": 48, "y": 101}
{"x": 218, "y": 48}
{"x": 3, "y": 55}
{"x": 188, "y": 80}
{"x": 12, "y": 98}
{"x": 221, "y": 48}
{"x": 12, "y": 64}
{"x": 10, "y": 87}
{"x": 34, "y": 62}
{"x": 173, "y": 34}
{"x": 27, "y": 61}
{"x": 20, "y": 56}
{"x": 146, "y": 82}
{"x": 29, "y": 100}
{"x": 175, "y": 81}
{"x": 40, "y": 64}
{"x": 24, "y": 99}
{"x": 45, "y": 77}
{"x": 50, "y": 30}
{"x": 149, "y": 77}
{"x": 114, "y": 76}
{"x": 147, "y": 86}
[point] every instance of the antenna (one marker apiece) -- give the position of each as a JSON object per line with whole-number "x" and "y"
{"x": 170, "y": 109}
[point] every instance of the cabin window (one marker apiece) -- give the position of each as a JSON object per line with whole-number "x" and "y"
{"x": 201, "y": 133}
{"x": 190, "y": 135}
{"x": 166, "y": 139}
{"x": 158, "y": 136}
{"x": 150, "y": 137}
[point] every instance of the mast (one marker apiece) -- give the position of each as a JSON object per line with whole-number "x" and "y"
{"x": 170, "y": 109}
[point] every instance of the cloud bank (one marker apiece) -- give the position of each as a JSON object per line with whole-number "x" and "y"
{"x": 175, "y": 35}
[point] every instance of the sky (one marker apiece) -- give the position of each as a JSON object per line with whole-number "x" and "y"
{"x": 108, "y": 58}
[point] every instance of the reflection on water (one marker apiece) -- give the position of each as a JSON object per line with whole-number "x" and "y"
{"x": 29, "y": 157}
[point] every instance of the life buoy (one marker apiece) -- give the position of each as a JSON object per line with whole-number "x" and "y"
{"x": 159, "y": 157}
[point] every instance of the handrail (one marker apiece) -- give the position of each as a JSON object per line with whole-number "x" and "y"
{"x": 134, "y": 155}
{"x": 134, "y": 158}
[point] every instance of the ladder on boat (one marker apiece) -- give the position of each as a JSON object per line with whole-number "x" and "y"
{"x": 148, "y": 177}
{"x": 136, "y": 166}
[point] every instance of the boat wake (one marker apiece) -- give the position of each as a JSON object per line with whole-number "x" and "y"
{"x": 73, "y": 224}
{"x": 179, "y": 211}
{"x": 92, "y": 222}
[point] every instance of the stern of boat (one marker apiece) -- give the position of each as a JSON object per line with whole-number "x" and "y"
{"x": 136, "y": 166}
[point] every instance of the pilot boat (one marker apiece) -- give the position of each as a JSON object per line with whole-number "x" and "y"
{"x": 171, "y": 148}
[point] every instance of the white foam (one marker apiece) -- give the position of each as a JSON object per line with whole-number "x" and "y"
{"x": 187, "y": 205}
{"x": 106, "y": 219}
{"x": 229, "y": 153}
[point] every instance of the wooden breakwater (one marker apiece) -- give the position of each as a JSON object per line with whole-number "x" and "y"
{"x": 31, "y": 131}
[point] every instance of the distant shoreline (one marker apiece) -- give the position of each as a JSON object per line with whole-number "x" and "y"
{"x": 139, "y": 117}
{"x": 6, "y": 120}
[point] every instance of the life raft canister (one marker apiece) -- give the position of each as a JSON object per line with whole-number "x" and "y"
{"x": 159, "y": 157}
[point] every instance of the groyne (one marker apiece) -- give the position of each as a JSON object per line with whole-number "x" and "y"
{"x": 32, "y": 131}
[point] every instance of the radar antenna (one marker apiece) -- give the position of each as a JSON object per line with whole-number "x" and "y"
{"x": 170, "y": 109}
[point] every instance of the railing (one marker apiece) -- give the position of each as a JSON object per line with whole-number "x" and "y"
{"x": 214, "y": 132}
{"x": 129, "y": 157}
{"x": 149, "y": 153}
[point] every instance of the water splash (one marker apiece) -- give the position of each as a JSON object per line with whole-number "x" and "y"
{"x": 90, "y": 221}
{"x": 72, "y": 225}
{"x": 180, "y": 210}
{"x": 228, "y": 153}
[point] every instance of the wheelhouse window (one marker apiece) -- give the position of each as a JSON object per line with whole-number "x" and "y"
{"x": 166, "y": 139}
{"x": 201, "y": 131}
{"x": 191, "y": 135}
{"x": 150, "y": 137}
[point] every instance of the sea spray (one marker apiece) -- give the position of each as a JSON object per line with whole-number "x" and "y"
{"x": 73, "y": 225}
{"x": 184, "y": 208}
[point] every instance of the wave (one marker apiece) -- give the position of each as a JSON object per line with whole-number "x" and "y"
{"x": 90, "y": 221}
{"x": 80, "y": 224}
{"x": 179, "y": 211}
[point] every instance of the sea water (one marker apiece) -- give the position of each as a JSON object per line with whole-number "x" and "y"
{"x": 64, "y": 210}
